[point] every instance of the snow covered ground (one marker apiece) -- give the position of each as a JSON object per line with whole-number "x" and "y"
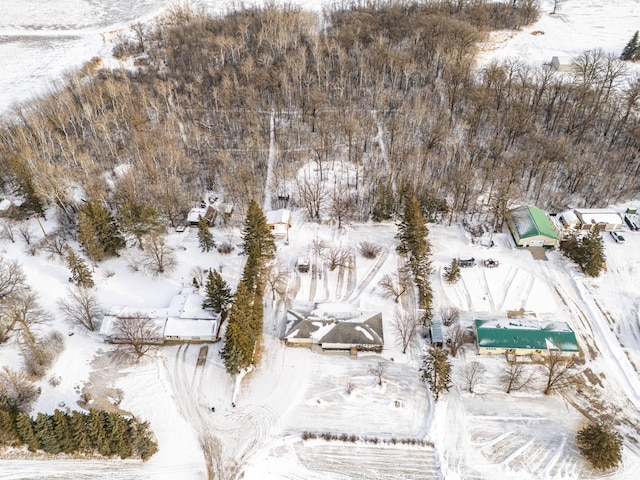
{"x": 484, "y": 435}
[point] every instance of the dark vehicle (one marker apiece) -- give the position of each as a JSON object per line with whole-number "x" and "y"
{"x": 630, "y": 223}
{"x": 466, "y": 262}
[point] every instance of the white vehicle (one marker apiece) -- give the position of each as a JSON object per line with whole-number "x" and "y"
{"x": 617, "y": 237}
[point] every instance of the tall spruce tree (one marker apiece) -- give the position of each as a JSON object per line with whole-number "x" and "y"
{"x": 239, "y": 344}
{"x": 79, "y": 426}
{"x": 24, "y": 426}
{"x": 257, "y": 238}
{"x": 138, "y": 220}
{"x": 217, "y": 293}
{"x": 384, "y": 205}
{"x": 80, "y": 272}
{"x": 630, "y": 51}
{"x": 62, "y": 431}
{"x": 98, "y": 232}
{"x": 436, "y": 371}
{"x": 8, "y": 431}
{"x": 205, "y": 239}
{"x": 45, "y": 432}
{"x": 593, "y": 257}
{"x": 142, "y": 440}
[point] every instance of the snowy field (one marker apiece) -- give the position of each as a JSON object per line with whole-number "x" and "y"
{"x": 485, "y": 435}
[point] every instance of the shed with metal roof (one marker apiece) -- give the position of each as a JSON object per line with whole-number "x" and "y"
{"x": 531, "y": 227}
{"x": 524, "y": 337}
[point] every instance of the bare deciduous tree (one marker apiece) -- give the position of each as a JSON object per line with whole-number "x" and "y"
{"x": 8, "y": 230}
{"x": 378, "y": 372}
{"x": 278, "y": 282}
{"x": 455, "y": 339}
{"x": 343, "y": 205}
{"x": 81, "y": 307}
{"x": 336, "y": 257}
{"x": 515, "y": 377}
{"x": 319, "y": 247}
{"x": 558, "y": 370}
{"x": 136, "y": 335}
{"x": 394, "y": 286}
{"x": 406, "y": 326}
{"x": 471, "y": 374}
{"x": 55, "y": 244}
{"x": 26, "y": 234}
{"x": 311, "y": 193}
{"x": 17, "y": 389}
{"x": 450, "y": 315}
{"x": 199, "y": 276}
{"x": 158, "y": 257}
{"x": 11, "y": 277}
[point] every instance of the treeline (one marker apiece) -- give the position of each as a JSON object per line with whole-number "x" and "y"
{"x": 389, "y": 87}
{"x": 246, "y": 314}
{"x": 97, "y": 433}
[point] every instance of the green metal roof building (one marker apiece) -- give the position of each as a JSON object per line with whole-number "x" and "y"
{"x": 531, "y": 227}
{"x": 524, "y": 337}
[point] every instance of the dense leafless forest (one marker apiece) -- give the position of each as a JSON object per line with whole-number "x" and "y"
{"x": 391, "y": 88}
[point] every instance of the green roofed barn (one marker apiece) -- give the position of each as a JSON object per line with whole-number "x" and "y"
{"x": 524, "y": 337}
{"x": 531, "y": 227}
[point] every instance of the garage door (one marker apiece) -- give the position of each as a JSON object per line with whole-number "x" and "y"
{"x": 536, "y": 243}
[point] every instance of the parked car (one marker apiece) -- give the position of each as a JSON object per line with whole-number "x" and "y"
{"x": 617, "y": 237}
{"x": 630, "y": 223}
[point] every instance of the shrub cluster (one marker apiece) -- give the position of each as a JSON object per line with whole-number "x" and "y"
{"x": 351, "y": 438}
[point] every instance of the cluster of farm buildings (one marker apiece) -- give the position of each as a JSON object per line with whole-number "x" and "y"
{"x": 532, "y": 227}
{"x": 341, "y": 329}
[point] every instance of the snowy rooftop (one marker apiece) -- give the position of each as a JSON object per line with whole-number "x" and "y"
{"x": 598, "y": 215}
{"x": 278, "y": 216}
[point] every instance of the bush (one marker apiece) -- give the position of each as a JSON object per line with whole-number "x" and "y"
{"x": 225, "y": 248}
{"x": 370, "y": 250}
{"x": 601, "y": 445}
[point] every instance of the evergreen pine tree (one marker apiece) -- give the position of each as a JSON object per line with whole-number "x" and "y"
{"x": 256, "y": 235}
{"x": 80, "y": 272}
{"x": 120, "y": 437}
{"x": 384, "y": 202}
{"x": 205, "y": 239}
{"x": 99, "y": 432}
{"x": 45, "y": 432}
{"x": 453, "y": 275}
{"x": 592, "y": 248}
{"x": 138, "y": 220}
{"x": 24, "y": 183}
{"x": 239, "y": 344}
{"x": 24, "y": 426}
{"x": 8, "y": 431}
{"x": 601, "y": 445}
{"x": 79, "y": 426}
{"x": 436, "y": 371}
{"x": 630, "y": 51}
{"x": 62, "y": 431}
{"x": 98, "y": 232}
{"x": 217, "y": 293}
{"x": 142, "y": 440}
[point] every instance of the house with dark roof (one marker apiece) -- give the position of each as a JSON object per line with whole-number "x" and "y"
{"x": 521, "y": 337}
{"x": 531, "y": 227}
{"x": 358, "y": 332}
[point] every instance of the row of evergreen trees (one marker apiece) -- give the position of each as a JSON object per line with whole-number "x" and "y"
{"x": 98, "y": 432}
{"x": 246, "y": 314}
{"x": 413, "y": 232}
